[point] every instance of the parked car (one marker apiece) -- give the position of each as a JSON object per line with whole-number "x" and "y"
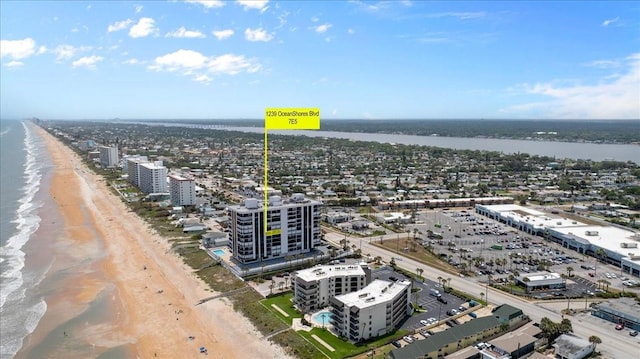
{"x": 442, "y": 300}
{"x": 408, "y": 339}
{"x": 424, "y": 322}
{"x": 396, "y": 344}
{"x": 633, "y": 333}
{"x": 619, "y": 326}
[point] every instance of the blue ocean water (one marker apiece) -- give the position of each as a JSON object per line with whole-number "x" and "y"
{"x": 23, "y": 163}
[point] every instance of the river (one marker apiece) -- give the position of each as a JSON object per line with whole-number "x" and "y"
{"x": 559, "y": 150}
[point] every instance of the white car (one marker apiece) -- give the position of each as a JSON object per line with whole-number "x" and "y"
{"x": 408, "y": 339}
{"x": 424, "y": 322}
{"x": 432, "y": 320}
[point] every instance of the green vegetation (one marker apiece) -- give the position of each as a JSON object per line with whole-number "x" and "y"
{"x": 283, "y": 302}
{"x": 248, "y": 303}
{"x": 220, "y": 279}
{"x": 297, "y": 346}
{"x": 344, "y": 348}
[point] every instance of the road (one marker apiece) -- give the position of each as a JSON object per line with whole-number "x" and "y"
{"x": 614, "y": 344}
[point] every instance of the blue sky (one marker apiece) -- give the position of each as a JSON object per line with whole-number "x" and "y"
{"x": 352, "y": 59}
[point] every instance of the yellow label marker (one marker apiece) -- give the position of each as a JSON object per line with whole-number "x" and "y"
{"x": 292, "y": 119}
{"x": 286, "y": 118}
{"x": 273, "y": 232}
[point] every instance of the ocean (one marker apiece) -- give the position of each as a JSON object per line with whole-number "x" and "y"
{"x": 24, "y": 166}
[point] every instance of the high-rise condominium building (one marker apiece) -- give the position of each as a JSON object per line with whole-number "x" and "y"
{"x": 292, "y": 227}
{"x": 153, "y": 177}
{"x": 132, "y": 167}
{"x": 182, "y": 190}
{"x": 108, "y": 156}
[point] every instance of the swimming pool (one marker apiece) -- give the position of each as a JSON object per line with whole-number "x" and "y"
{"x": 321, "y": 318}
{"x": 218, "y": 252}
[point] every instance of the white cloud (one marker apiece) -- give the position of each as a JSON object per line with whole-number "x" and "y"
{"x": 180, "y": 60}
{"x": 232, "y": 64}
{"x": 132, "y": 61}
{"x": 189, "y": 62}
{"x": 604, "y": 64}
{"x": 223, "y": 34}
{"x": 254, "y": 4}
{"x": 17, "y": 49}
{"x": 74, "y": 30}
{"x": 203, "y": 79}
{"x": 208, "y": 4}
{"x": 41, "y": 50}
{"x": 138, "y": 8}
{"x": 14, "y": 63}
{"x": 119, "y": 25}
{"x": 459, "y": 15}
{"x": 351, "y": 31}
{"x": 608, "y": 22}
{"x": 65, "y": 52}
{"x": 184, "y": 33}
{"x": 322, "y": 28}
{"x": 87, "y": 61}
{"x": 314, "y": 19}
{"x": 144, "y": 27}
{"x": 613, "y": 97}
{"x": 257, "y": 35}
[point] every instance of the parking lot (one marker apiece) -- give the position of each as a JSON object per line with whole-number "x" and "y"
{"x": 424, "y": 298}
{"x": 485, "y": 247}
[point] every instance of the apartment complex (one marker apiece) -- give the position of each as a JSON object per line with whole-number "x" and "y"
{"x": 313, "y": 287}
{"x": 182, "y": 191}
{"x": 153, "y": 177}
{"x": 292, "y": 227}
{"x": 372, "y": 311}
{"x": 108, "y": 156}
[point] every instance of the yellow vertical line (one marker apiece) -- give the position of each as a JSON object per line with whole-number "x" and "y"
{"x": 266, "y": 172}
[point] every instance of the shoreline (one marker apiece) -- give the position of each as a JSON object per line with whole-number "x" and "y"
{"x": 148, "y": 323}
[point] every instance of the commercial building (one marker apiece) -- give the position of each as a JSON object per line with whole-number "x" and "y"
{"x": 182, "y": 191}
{"x": 153, "y": 177}
{"x": 313, "y": 287}
{"x": 541, "y": 281}
{"x": 108, "y": 156}
{"x": 621, "y": 247}
{"x": 292, "y": 227}
{"x": 375, "y": 310}
{"x": 568, "y": 346}
{"x": 625, "y": 311}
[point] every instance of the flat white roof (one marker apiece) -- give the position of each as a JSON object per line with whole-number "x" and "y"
{"x": 328, "y": 271}
{"x": 378, "y": 291}
{"x": 609, "y": 238}
{"x": 541, "y": 276}
{"x": 511, "y": 208}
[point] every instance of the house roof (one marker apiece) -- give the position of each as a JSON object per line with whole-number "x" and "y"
{"x": 440, "y": 339}
{"x": 506, "y": 311}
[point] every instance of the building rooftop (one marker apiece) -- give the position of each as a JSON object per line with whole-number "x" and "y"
{"x": 328, "y": 271}
{"x": 540, "y": 276}
{"x": 569, "y": 344}
{"x": 376, "y": 292}
{"x": 606, "y": 237}
{"x": 251, "y": 204}
{"x": 468, "y": 352}
{"x": 511, "y": 342}
{"x": 624, "y": 307}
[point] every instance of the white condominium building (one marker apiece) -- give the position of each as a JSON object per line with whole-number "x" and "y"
{"x": 108, "y": 156}
{"x": 153, "y": 177}
{"x": 182, "y": 190}
{"x": 292, "y": 227}
{"x": 372, "y": 311}
{"x": 313, "y": 287}
{"x": 132, "y": 167}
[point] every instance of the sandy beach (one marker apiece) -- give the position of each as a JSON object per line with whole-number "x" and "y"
{"x": 152, "y": 311}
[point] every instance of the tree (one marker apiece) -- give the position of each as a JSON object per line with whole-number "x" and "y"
{"x": 601, "y": 254}
{"x": 595, "y": 340}
{"x": 565, "y": 326}
{"x": 449, "y": 282}
{"x": 569, "y": 270}
{"x": 549, "y": 328}
{"x": 419, "y": 272}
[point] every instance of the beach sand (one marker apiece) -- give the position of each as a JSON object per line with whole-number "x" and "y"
{"x": 113, "y": 307}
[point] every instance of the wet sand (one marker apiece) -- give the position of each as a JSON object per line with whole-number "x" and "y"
{"x": 107, "y": 305}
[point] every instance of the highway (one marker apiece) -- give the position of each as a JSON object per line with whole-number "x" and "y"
{"x": 615, "y": 344}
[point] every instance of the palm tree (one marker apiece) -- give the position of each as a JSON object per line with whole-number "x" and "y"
{"x": 565, "y": 326}
{"x": 440, "y": 281}
{"x": 548, "y": 328}
{"x": 569, "y": 270}
{"x": 526, "y": 280}
{"x": 595, "y": 340}
{"x": 482, "y": 297}
{"x": 419, "y": 272}
{"x": 600, "y": 253}
{"x": 449, "y": 283}
{"x": 606, "y": 282}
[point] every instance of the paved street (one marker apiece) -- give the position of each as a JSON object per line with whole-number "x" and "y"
{"x": 614, "y": 345}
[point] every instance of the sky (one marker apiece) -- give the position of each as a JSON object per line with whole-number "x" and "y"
{"x": 354, "y": 59}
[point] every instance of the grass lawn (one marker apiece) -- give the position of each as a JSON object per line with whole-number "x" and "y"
{"x": 421, "y": 255}
{"x": 294, "y": 344}
{"x": 220, "y": 279}
{"x": 284, "y": 302}
{"x": 344, "y": 348}
{"x": 247, "y": 303}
